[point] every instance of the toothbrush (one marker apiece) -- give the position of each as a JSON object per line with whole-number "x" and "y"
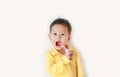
{"x": 64, "y": 47}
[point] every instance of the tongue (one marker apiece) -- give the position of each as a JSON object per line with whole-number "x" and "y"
{"x": 58, "y": 43}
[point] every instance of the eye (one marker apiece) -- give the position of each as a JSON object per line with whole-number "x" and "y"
{"x": 54, "y": 33}
{"x": 62, "y": 34}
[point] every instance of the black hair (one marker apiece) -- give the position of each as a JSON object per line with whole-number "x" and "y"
{"x": 62, "y": 21}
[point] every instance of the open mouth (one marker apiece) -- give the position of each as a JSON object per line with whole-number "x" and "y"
{"x": 58, "y": 43}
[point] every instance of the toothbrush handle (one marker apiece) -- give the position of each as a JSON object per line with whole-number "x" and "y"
{"x": 67, "y": 50}
{"x": 63, "y": 47}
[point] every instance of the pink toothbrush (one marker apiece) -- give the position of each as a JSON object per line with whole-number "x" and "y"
{"x": 66, "y": 49}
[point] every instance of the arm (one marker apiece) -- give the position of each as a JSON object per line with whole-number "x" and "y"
{"x": 56, "y": 66}
{"x": 79, "y": 68}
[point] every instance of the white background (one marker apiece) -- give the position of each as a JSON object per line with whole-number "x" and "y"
{"x": 24, "y": 28}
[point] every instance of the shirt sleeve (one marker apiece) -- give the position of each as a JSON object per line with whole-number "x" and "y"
{"x": 56, "y": 66}
{"x": 79, "y": 67}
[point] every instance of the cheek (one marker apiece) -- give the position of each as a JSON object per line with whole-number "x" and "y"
{"x": 52, "y": 38}
{"x": 65, "y": 39}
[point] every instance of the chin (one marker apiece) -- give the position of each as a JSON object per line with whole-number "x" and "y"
{"x": 58, "y": 48}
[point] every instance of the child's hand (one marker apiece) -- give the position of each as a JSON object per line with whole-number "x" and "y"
{"x": 68, "y": 54}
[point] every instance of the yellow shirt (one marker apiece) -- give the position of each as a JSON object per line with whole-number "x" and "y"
{"x": 58, "y": 65}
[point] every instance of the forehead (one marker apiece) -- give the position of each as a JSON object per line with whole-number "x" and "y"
{"x": 59, "y": 27}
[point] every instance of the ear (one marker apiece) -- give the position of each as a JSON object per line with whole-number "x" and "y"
{"x": 69, "y": 37}
{"x": 49, "y": 36}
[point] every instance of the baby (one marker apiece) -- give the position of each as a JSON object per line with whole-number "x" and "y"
{"x": 62, "y": 59}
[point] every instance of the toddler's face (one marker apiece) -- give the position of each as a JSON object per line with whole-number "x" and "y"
{"x": 59, "y": 33}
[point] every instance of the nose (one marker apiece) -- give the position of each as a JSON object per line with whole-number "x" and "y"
{"x": 58, "y": 37}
